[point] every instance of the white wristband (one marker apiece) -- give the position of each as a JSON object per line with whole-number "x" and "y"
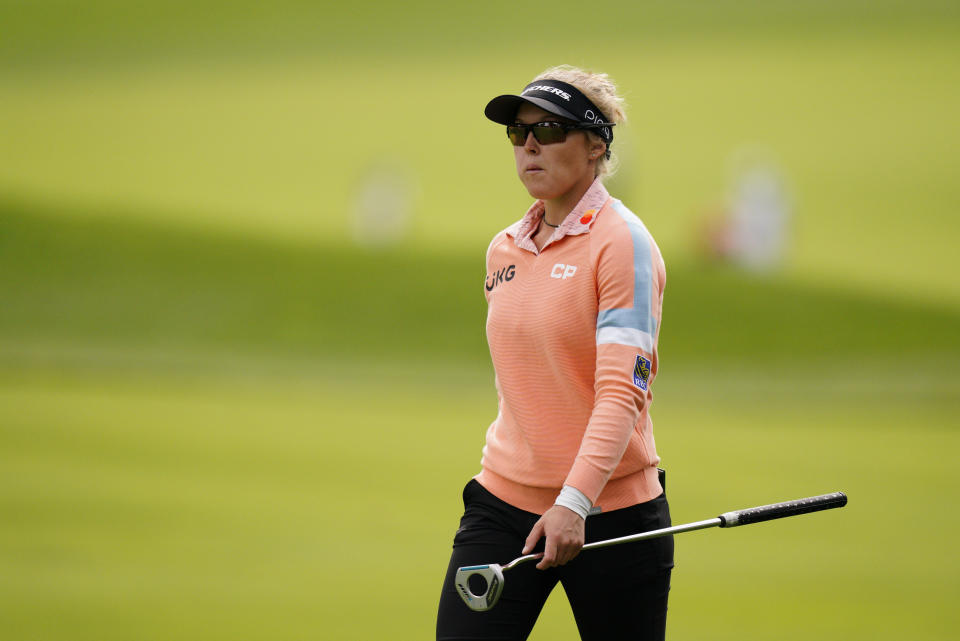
{"x": 573, "y": 499}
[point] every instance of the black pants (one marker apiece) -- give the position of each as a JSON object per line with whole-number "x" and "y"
{"x": 619, "y": 592}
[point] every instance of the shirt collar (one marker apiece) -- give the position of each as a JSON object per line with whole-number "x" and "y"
{"x": 578, "y": 221}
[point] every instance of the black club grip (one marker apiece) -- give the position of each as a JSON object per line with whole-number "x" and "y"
{"x": 781, "y": 510}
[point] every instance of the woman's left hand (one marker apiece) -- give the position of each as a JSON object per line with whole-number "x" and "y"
{"x": 564, "y": 530}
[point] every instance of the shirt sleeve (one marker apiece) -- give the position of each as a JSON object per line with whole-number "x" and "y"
{"x": 630, "y": 280}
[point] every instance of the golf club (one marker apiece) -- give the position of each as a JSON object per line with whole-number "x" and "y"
{"x": 493, "y": 572}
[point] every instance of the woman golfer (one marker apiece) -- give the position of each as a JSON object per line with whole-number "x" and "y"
{"x": 574, "y": 292}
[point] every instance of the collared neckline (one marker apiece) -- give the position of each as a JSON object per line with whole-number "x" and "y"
{"x": 578, "y": 221}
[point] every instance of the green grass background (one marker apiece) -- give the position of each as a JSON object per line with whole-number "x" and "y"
{"x": 221, "y": 419}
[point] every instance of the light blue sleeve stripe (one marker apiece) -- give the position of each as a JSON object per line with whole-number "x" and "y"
{"x": 639, "y": 322}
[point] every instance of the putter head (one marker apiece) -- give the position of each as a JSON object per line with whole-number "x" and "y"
{"x": 492, "y": 573}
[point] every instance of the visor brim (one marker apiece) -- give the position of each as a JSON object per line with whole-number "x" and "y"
{"x": 503, "y": 109}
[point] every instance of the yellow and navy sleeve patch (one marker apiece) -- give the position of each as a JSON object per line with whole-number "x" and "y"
{"x": 641, "y": 372}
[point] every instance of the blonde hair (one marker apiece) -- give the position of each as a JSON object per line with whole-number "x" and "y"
{"x": 602, "y": 92}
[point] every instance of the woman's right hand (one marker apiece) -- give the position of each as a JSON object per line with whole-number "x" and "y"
{"x": 564, "y": 531}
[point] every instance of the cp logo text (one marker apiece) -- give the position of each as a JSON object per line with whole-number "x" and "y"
{"x": 563, "y": 271}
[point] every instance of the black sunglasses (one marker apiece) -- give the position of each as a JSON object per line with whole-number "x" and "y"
{"x": 545, "y": 133}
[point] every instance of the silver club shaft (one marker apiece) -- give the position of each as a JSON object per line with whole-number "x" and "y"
{"x": 642, "y": 536}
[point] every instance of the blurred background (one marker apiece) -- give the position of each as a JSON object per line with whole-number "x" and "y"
{"x": 243, "y": 376}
